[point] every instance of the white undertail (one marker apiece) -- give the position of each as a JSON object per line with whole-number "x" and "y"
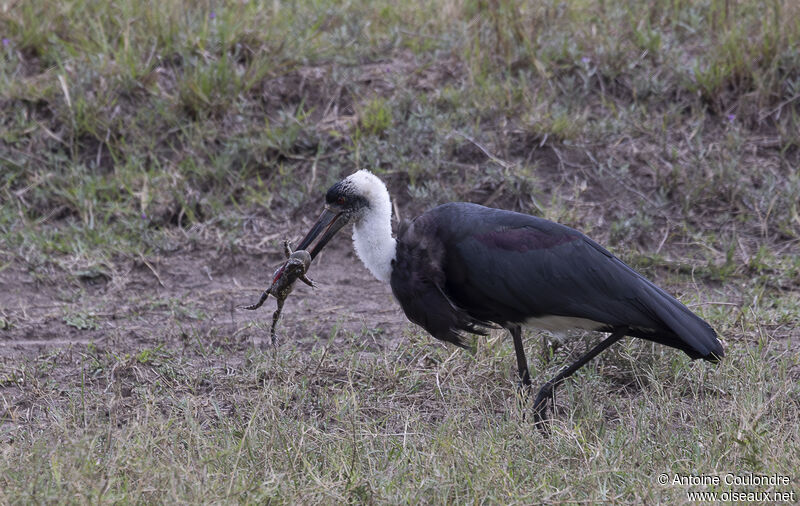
{"x": 372, "y": 231}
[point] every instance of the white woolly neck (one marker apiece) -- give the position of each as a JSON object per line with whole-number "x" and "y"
{"x": 372, "y": 231}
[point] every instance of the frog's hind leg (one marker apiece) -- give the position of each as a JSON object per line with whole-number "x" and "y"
{"x": 260, "y": 301}
{"x": 275, "y": 317}
{"x": 287, "y": 250}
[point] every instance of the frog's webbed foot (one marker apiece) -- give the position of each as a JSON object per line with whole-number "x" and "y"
{"x": 310, "y": 282}
{"x": 260, "y": 301}
{"x": 287, "y": 249}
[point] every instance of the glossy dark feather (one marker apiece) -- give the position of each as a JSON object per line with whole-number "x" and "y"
{"x": 460, "y": 267}
{"x": 418, "y": 281}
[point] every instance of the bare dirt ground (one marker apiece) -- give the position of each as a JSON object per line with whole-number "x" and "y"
{"x": 188, "y": 301}
{"x": 346, "y": 296}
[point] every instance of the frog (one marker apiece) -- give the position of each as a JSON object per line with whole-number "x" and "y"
{"x": 283, "y": 280}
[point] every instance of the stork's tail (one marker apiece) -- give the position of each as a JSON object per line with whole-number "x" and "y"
{"x": 697, "y": 337}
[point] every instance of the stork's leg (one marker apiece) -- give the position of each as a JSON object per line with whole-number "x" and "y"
{"x": 522, "y": 362}
{"x": 524, "y": 385}
{"x": 260, "y": 301}
{"x": 546, "y": 392}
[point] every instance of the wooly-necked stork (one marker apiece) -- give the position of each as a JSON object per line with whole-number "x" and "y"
{"x": 463, "y": 267}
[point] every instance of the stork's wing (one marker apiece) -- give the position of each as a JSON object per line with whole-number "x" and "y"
{"x": 418, "y": 282}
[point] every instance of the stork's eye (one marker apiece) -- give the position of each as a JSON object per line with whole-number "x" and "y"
{"x": 341, "y": 201}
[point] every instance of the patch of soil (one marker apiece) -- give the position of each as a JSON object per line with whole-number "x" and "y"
{"x": 194, "y": 289}
{"x": 55, "y": 327}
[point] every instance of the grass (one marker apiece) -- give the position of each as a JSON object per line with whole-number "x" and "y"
{"x": 143, "y": 142}
{"x": 403, "y": 425}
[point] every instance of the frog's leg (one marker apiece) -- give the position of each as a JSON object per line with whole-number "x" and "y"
{"x": 287, "y": 250}
{"x": 275, "y": 317}
{"x": 260, "y": 301}
{"x": 310, "y": 282}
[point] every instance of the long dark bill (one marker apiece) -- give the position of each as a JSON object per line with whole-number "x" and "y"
{"x": 328, "y": 224}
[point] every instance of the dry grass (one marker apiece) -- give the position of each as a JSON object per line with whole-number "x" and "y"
{"x": 151, "y": 148}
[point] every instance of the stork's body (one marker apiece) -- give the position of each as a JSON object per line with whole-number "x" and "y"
{"x": 463, "y": 267}
{"x": 510, "y": 268}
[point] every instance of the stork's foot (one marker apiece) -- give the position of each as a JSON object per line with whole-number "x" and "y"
{"x": 546, "y": 396}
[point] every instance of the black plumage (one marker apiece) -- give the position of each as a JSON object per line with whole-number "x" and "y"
{"x": 463, "y": 267}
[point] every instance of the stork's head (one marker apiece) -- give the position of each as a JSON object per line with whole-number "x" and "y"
{"x": 348, "y": 201}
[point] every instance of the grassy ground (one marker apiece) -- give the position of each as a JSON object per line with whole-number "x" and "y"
{"x": 152, "y": 154}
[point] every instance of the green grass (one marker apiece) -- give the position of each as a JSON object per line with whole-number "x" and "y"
{"x": 136, "y": 132}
